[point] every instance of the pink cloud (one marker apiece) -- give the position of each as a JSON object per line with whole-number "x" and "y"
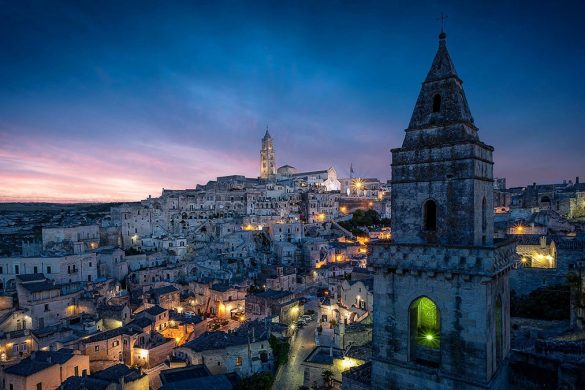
{"x": 73, "y": 171}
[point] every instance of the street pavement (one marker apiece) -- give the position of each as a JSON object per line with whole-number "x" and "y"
{"x": 291, "y": 375}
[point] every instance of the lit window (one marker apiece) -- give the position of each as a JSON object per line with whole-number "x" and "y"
{"x": 425, "y": 331}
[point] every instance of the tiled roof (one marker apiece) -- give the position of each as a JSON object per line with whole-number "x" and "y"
{"x": 220, "y": 340}
{"x": 39, "y": 361}
{"x": 322, "y": 355}
{"x": 27, "y": 367}
{"x": 155, "y": 310}
{"x": 215, "y": 382}
{"x": 273, "y": 294}
{"x": 115, "y": 372}
{"x": 163, "y": 290}
{"x": 108, "y": 334}
{"x": 101, "y": 380}
{"x": 221, "y": 287}
{"x": 84, "y": 383}
{"x": 41, "y": 286}
{"x": 141, "y": 322}
{"x": 31, "y": 277}
{"x": 181, "y": 374}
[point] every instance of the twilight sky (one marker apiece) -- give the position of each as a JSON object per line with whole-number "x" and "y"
{"x": 114, "y": 100}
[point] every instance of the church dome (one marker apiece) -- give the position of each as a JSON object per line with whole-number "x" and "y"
{"x": 286, "y": 170}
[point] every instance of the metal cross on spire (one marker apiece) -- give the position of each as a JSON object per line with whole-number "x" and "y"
{"x": 442, "y": 19}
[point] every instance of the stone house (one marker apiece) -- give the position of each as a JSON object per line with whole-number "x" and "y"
{"x": 283, "y": 304}
{"x": 320, "y": 207}
{"x": 286, "y": 253}
{"x": 89, "y": 235}
{"x": 112, "y": 263}
{"x": 16, "y": 345}
{"x": 158, "y": 317}
{"x": 279, "y": 279}
{"x": 111, "y": 347}
{"x": 352, "y": 301}
{"x": 152, "y": 349}
{"x": 544, "y": 261}
{"x": 316, "y": 252}
{"x": 326, "y": 358}
{"x": 167, "y": 297}
{"x": 225, "y": 300}
{"x": 46, "y": 370}
{"x": 46, "y": 302}
{"x": 286, "y": 232}
{"x": 116, "y": 377}
{"x": 114, "y": 316}
{"x": 61, "y": 267}
{"x": 244, "y": 351}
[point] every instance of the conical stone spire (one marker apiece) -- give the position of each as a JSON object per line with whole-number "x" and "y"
{"x": 442, "y": 104}
{"x": 266, "y": 135}
{"x": 442, "y": 66}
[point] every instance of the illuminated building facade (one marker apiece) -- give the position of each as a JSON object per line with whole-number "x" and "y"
{"x": 267, "y": 157}
{"x": 441, "y": 289}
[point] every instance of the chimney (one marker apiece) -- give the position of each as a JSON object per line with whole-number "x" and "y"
{"x": 543, "y": 242}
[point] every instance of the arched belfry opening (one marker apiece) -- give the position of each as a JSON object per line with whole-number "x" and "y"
{"x": 430, "y": 216}
{"x": 437, "y": 103}
{"x": 425, "y": 331}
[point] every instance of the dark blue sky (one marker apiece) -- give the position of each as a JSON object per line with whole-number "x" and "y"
{"x": 105, "y": 100}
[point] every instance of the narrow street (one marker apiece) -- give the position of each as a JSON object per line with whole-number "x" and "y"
{"x": 290, "y": 377}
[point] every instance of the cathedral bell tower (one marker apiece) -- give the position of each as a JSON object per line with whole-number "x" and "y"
{"x": 267, "y": 159}
{"x": 441, "y": 294}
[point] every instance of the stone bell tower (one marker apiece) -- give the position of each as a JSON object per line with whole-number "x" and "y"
{"x": 441, "y": 294}
{"x": 267, "y": 158}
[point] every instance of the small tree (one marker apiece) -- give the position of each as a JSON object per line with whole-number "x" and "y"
{"x": 327, "y": 377}
{"x": 279, "y": 350}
